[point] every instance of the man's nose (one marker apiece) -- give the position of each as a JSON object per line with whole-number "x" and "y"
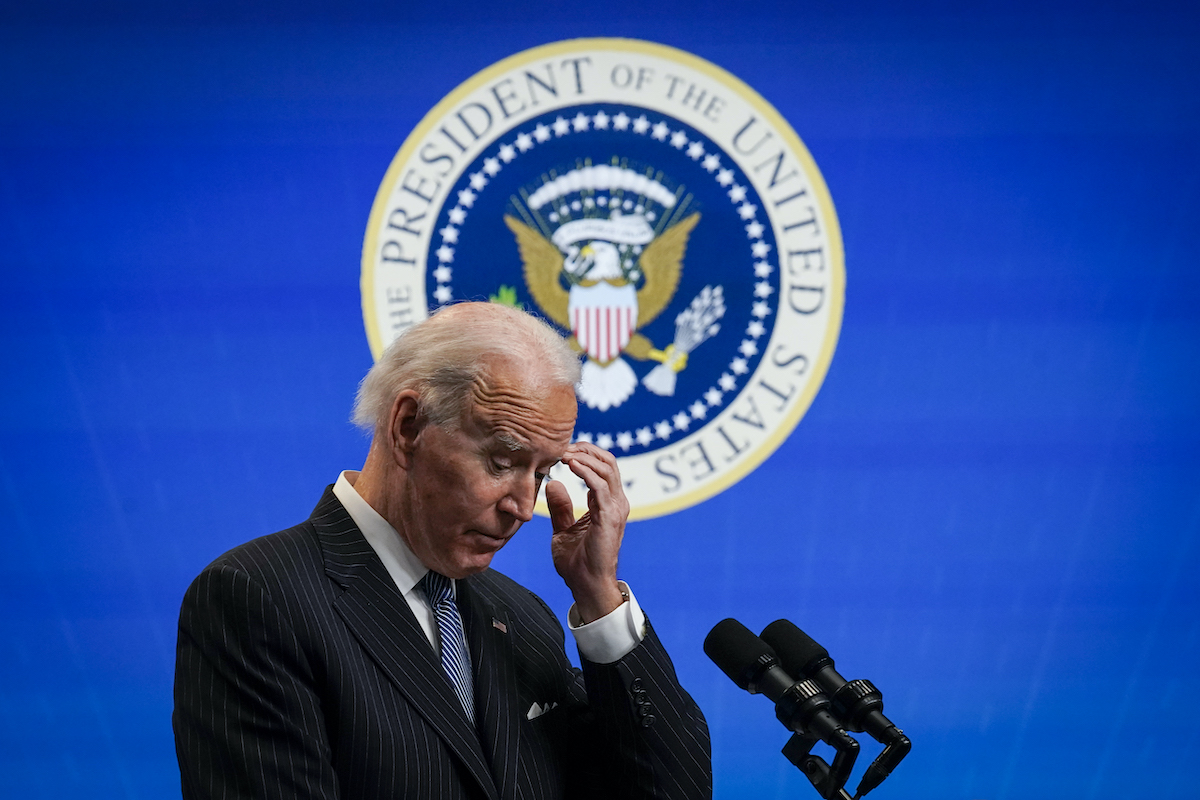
{"x": 520, "y": 499}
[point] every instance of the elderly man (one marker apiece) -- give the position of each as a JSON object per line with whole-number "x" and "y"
{"x": 369, "y": 652}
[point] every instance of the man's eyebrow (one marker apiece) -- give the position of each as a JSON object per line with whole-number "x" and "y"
{"x": 510, "y": 441}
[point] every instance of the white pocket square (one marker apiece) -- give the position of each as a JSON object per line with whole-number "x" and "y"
{"x": 536, "y": 710}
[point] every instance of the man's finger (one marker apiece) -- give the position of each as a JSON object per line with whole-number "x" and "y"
{"x": 603, "y": 462}
{"x": 591, "y": 473}
{"x": 558, "y": 501}
{"x": 599, "y": 453}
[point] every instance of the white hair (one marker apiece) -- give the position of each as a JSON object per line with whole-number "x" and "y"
{"x": 442, "y": 356}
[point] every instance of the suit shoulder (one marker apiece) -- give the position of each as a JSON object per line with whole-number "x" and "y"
{"x": 278, "y": 563}
{"x": 283, "y": 571}
{"x": 297, "y": 544}
{"x": 300, "y": 545}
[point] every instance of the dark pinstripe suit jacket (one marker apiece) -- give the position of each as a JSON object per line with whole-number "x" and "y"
{"x": 301, "y": 672}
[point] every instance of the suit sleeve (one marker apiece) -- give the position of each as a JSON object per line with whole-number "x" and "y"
{"x": 650, "y": 739}
{"x": 247, "y": 720}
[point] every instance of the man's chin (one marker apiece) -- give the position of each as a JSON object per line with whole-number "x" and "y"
{"x": 474, "y": 554}
{"x": 476, "y": 562}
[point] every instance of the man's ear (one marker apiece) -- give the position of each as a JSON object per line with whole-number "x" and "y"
{"x": 404, "y": 426}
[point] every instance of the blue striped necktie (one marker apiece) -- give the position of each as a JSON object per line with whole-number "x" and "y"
{"x": 456, "y": 658}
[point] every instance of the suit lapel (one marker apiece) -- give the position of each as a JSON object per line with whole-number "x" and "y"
{"x": 489, "y": 635}
{"x": 380, "y": 619}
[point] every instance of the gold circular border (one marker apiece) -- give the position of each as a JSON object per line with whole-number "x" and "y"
{"x": 820, "y": 190}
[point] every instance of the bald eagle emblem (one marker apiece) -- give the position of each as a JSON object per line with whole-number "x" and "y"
{"x": 603, "y": 249}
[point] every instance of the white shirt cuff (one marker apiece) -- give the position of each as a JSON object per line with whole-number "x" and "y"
{"x": 613, "y": 636}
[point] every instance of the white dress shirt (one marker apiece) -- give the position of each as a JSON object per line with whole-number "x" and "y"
{"x": 603, "y": 641}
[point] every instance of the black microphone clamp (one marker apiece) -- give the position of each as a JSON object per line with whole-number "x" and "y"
{"x": 804, "y": 709}
{"x": 855, "y": 701}
{"x": 805, "y": 706}
{"x": 859, "y": 706}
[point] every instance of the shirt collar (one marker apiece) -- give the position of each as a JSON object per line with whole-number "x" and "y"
{"x": 400, "y": 562}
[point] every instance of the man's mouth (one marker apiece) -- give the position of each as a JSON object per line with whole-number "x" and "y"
{"x": 499, "y": 538}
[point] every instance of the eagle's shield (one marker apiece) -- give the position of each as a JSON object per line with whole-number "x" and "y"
{"x": 603, "y": 317}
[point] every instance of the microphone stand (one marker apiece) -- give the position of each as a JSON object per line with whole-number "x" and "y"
{"x": 857, "y": 704}
{"x": 860, "y": 705}
{"x": 801, "y": 708}
{"x": 828, "y": 782}
{"x": 800, "y": 705}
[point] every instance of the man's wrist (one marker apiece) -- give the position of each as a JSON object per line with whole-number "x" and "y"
{"x": 593, "y": 604}
{"x": 612, "y": 637}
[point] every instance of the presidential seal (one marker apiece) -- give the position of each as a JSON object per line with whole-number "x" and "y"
{"x": 660, "y": 214}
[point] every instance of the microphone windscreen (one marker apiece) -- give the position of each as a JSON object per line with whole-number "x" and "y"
{"x": 797, "y": 652}
{"x": 736, "y": 650}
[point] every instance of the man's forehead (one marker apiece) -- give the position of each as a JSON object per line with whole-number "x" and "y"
{"x": 515, "y": 413}
{"x": 517, "y": 423}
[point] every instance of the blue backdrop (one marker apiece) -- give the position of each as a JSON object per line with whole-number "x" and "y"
{"x": 991, "y": 509}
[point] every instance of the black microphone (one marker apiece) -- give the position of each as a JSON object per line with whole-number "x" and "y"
{"x": 858, "y": 704}
{"x": 800, "y": 705}
{"x": 752, "y": 665}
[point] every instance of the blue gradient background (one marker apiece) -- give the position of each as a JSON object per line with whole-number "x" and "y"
{"x": 991, "y": 509}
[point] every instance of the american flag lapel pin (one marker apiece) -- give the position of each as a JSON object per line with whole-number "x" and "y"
{"x": 498, "y": 625}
